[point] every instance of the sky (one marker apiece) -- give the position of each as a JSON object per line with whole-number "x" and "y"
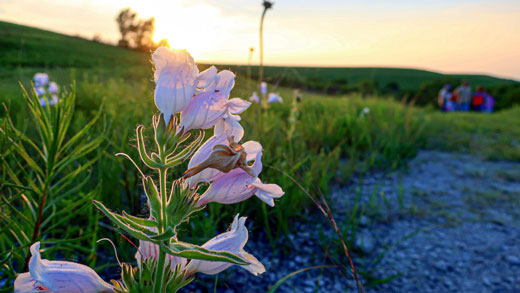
{"x": 457, "y": 36}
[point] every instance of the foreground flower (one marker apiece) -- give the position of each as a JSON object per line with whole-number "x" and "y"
{"x": 254, "y": 98}
{"x": 238, "y": 185}
{"x": 274, "y": 98}
{"x": 58, "y": 276}
{"x": 176, "y": 80}
{"x": 232, "y": 241}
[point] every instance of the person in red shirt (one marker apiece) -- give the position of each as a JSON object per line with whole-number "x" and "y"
{"x": 479, "y": 98}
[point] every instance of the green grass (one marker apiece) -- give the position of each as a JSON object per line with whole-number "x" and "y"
{"x": 495, "y": 136}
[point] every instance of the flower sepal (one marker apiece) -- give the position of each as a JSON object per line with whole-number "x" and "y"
{"x": 182, "y": 202}
{"x": 140, "y": 279}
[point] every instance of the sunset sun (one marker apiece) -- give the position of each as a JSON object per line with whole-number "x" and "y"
{"x": 182, "y": 31}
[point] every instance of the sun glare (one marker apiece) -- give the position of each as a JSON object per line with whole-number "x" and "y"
{"x": 193, "y": 28}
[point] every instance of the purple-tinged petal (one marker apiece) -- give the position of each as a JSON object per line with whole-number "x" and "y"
{"x": 225, "y": 82}
{"x": 40, "y": 91}
{"x": 257, "y": 166}
{"x": 207, "y": 80}
{"x": 25, "y": 283}
{"x": 40, "y": 79}
{"x": 204, "y": 111}
{"x": 229, "y": 127}
{"x": 176, "y": 80}
{"x": 232, "y": 241}
{"x": 263, "y": 87}
{"x": 254, "y": 98}
{"x": 53, "y": 88}
{"x": 237, "y": 105}
{"x": 228, "y": 188}
{"x": 252, "y": 148}
{"x": 148, "y": 250}
{"x": 64, "y": 276}
{"x": 267, "y": 192}
{"x": 274, "y": 98}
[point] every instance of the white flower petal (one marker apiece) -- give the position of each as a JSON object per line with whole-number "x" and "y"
{"x": 237, "y": 105}
{"x": 176, "y": 80}
{"x": 232, "y": 241}
{"x": 266, "y": 192}
{"x": 229, "y": 127}
{"x": 64, "y": 276}
{"x": 252, "y": 148}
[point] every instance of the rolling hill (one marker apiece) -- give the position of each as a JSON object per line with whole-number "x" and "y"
{"x": 29, "y": 49}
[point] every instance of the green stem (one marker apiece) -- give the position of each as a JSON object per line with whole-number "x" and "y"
{"x": 261, "y": 69}
{"x": 159, "y": 270}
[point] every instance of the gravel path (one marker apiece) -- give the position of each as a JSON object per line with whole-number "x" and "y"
{"x": 447, "y": 223}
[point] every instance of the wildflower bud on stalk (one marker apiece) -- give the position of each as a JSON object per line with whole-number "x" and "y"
{"x": 224, "y": 158}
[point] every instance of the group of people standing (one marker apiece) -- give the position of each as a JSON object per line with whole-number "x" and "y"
{"x": 464, "y": 99}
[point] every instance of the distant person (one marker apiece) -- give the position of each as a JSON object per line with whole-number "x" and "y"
{"x": 463, "y": 96}
{"x": 479, "y": 98}
{"x": 445, "y": 99}
{"x": 489, "y": 103}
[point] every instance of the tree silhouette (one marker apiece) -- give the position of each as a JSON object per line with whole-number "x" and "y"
{"x": 143, "y": 34}
{"x": 126, "y": 22}
{"x": 135, "y": 33}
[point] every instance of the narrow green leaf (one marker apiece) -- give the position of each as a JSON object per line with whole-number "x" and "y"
{"x": 141, "y": 234}
{"x": 140, "y": 221}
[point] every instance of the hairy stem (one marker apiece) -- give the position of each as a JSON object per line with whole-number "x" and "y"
{"x": 159, "y": 270}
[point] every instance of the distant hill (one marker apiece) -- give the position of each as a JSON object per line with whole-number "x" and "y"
{"x": 405, "y": 78}
{"x": 28, "y": 47}
{"x": 32, "y": 47}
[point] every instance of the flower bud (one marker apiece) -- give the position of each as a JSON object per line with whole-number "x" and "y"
{"x": 223, "y": 158}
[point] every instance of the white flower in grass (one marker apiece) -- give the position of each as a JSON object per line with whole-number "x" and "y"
{"x": 53, "y": 100}
{"x": 176, "y": 80}
{"x": 53, "y": 88}
{"x": 40, "y": 91}
{"x": 40, "y": 79}
{"x": 364, "y": 112}
{"x": 274, "y": 98}
{"x": 58, "y": 276}
{"x": 232, "y": 241}
{"x": 263, "y": 87}
{"x": 254, "y": 98}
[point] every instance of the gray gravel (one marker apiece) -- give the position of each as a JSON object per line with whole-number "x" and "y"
{"x": 447, "y": 223}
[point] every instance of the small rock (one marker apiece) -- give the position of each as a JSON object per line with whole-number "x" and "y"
{"x": 512, "y": 259}
{"x": 365, "y": 242}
